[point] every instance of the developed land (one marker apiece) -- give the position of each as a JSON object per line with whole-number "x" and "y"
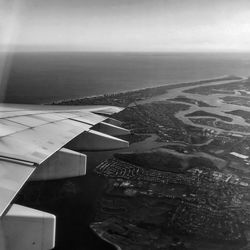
{"x": 202, "y": 204}
{"x": 189, "y": 191}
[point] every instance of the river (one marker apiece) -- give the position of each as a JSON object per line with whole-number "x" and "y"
{"x": 217, "y": 106}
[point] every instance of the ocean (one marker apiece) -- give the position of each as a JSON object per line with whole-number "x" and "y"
{"x": 43, "y": 77}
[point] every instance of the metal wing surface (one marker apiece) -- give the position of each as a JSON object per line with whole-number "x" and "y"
{"x": 30, "y": 134}
{"x": 12, "y": 177}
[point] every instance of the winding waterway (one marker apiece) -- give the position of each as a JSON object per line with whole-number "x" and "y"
{"x": 217, "y": 106}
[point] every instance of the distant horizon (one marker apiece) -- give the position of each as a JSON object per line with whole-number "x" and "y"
{"x": 126, "y": 26}
{"x": 56, "y": 49}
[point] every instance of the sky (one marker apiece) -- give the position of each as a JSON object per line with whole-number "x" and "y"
{"x": 125, "y": 25}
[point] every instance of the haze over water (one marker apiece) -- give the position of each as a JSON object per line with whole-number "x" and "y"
{"x": 46, "y": 77}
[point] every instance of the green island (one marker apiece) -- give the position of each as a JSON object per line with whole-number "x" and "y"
{"x": 192, "y": 101}
{"x": 204, "y": 113}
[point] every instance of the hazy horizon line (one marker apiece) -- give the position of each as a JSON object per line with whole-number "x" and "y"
{"x": 26, "y": 49}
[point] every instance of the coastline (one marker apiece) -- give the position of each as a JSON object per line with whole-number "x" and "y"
{"x": 166, "y": 85}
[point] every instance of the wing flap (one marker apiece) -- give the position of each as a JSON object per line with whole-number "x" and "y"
{"x": 12, "y": 178}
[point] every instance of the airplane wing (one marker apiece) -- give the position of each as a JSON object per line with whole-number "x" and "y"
{"x": 41, "y": 139}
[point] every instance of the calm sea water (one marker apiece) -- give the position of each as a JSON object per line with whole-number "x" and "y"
{"x": 46, "y": 77}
